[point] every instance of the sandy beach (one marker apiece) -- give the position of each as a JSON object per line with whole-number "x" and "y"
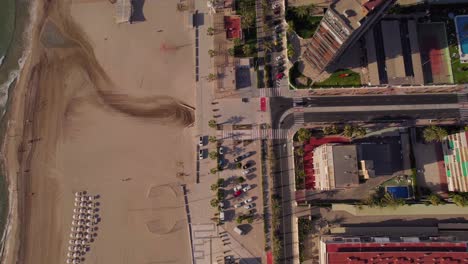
{"x": 106, "y": 108}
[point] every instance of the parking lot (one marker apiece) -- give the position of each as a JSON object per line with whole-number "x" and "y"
{"x": 247, "y": 201}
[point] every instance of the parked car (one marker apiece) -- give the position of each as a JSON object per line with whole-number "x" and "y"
{"x": 238, "y": 205}
{"x": 280, "y": 76}
{"x": 279, "y": 58}
{"x": 238, "y": 187}
{"x": 221, "y": 205}
{"x": 247, "y": 165}
{"x": 200, "y": 142}
{"x": 248, "y": 200}
{"x": 237, "y": 193}
{"x": 247, "y": 171}
{"x": 246, "y": 188}
{"x": 248, "y": 206}
{"x": 200, "y": 154}
{"x": 220, "y": 151}
{"x": 239, "y": 158}
{"x": 221, "y": 216}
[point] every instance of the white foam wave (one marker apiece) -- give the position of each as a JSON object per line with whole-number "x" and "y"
{"x": 1, "y": 60}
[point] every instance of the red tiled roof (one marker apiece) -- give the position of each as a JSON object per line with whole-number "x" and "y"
{"x": 371, "y": 4}
{"x": 232, "y": 24}
{"x": 394, "y": 252}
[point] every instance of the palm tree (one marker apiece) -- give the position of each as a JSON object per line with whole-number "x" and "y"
{"x": 247, "y": 50}
{"x": 303, "y": 134}
{"x": 231, "y": 51}
{"x": 212, "y": 123}
{"x": 434, "y": 133}
{"x": 213, "y": 155}
{"x": 211, "y": 77}
{"x": 212, "y": 139}
{"x": 302, "y": 11}
{"x": 210, "y": 31}
{"x": 212, "y": 53}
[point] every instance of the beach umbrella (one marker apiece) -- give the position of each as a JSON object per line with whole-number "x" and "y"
{"x": 90, "y": 198}
{"x": 82, "y": 204}
{"x": 84, "y": 198}
{"x": 78, "y": 242}
{"x": 71, "y": 241}
{"x": 76, "y": 261}
{"x": 89, "y": 224}
{"x": 75, "y": 255}
{"x": 90, "y": 217}
{"x": 77, "y": 203}
{"x": 76, "y": 210}
{"x": 73, "y": 229}
{"x": 88, "y": 236}
{"x": 69, "y": 260}
{"x": 69, "y": 254}
{"x": 70, "y": 248}
{"x": 83, "y": 242}
{"x": 75, "y": 216}
{"x": 74, "y": 222}
{"x": 89, "y": 230}
{"x": 77, "y": 199}
{"x": 90, "y": 211}
{"x": 77, "y": 194}
{"x": 72, "y": 235}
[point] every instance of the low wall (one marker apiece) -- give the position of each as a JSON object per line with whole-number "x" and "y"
{"x": 406, "y": 210}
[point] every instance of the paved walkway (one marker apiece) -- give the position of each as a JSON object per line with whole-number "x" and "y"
{"x": 252, "y": 134}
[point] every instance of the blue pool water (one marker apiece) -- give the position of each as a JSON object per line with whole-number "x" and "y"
{"x": 462, "y": 28}
{"x": 398, "y": 192}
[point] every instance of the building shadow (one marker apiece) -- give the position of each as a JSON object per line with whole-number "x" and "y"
{"x": 137, "y": 11}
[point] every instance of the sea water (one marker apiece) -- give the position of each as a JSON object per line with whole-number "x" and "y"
{"x": 14, "y": 21}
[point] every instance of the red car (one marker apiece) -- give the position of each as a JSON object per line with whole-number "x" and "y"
{"x": 237, "y": 193}
{"x": 263, "y": 104}
{"x": 279, "y": 76}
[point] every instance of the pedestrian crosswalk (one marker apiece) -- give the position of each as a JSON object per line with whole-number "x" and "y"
{"x": 298, "y": 101}
{"x": 299, "y": 117}
{"x": 463, "y": 103}
{"x": 270, "y": 92}
{"x": 253, "y": 134}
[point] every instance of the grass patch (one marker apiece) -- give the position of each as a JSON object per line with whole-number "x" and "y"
{"x": 295, "y": 74}
{"x": 352, "y": 79}
{"x": 304, "y": 25}
{"x": 460, "y": 70}
{"x": 248, "y": 47}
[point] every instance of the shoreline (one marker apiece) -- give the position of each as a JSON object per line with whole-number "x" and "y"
{"x": 15, "y": 90}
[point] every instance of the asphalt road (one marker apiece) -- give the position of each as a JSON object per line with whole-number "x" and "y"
{"x": 381, "y": 100}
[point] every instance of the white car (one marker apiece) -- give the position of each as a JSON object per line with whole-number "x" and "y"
{"x": 200, "y": 154}
{"x": 238, "y": 187}
{"x": 247, "y": 171}
{"x": 279, "y": 58}
{"x": 238, "y": 205}
{"x": 200, "y": 142}
{"x": 221, "y": 216}
{"x": 248, "y": 200}
{"x": 276, "y": 5}
{"x": 246, "y": 188}
{"x": 220, "y": 151}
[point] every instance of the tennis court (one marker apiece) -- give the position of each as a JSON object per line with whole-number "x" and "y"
{"x": 435, "y": 55}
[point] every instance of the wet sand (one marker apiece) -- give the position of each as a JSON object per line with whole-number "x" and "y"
{"x": 104, "y": 108}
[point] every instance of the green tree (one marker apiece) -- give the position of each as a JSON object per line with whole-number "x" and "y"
{"x": 250, "y": 219}
{"x": 213, "y": 170}
{"x": 434, "y": 134}
{"x": 302, "y": 11}
{"x": 459, "y": 200}
{"x": 291, "y": 51}
{"x": 247, "y": 50}
{"x": 330, "y": 130}
{"x": 213, "y": 155}
{"x": 231, "y": 51}
{"x": 303, "y": 134}
{"x": 212, "y": 123}
{"x": 238, "y": 165}
{"x": 212, "y": 139}
{"x": 237, "y": 42}
{"x": 214, "y": 187}
{"x": 211, "y": 77}
{"x": 348, "y": 131}
{"x": 240, "y": 179}
{"x": 360, "y": 131}
{"x": 220, "y": 182}
{"x": 210, "y": 31}
{"x": 434, "y": 199}
{"x": 214, "y": 202}
{"x": 212, "y": 53}
{"x": 268, "y": 46}
{"x": 300, "y": 151}
{"x": 240, "y": 219}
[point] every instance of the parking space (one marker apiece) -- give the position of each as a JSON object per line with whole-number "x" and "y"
{"x": 243, "y": 204}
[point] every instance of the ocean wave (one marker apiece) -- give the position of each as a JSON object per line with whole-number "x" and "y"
{"x": 1, "y": 60}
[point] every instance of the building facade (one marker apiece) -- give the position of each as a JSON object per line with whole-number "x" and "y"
{"x": 402, "y": 250}
{"x": 336, "y": 166}
{"x": 455, "y": 148}
{"x": 343, "y": 23}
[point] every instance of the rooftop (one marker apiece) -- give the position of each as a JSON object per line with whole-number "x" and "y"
{"x": 350, "y": 11}
{"x": 345, "y": 166}
{"x": 232, "y": 24}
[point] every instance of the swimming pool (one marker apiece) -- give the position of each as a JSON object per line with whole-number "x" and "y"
{"x": 399, "y": 192}
{"x": 461, "y": 23}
